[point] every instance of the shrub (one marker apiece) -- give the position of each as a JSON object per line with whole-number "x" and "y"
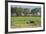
{"x": 31, "y": 21}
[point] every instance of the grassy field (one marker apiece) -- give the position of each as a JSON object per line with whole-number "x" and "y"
{"x": 24, "y": 22}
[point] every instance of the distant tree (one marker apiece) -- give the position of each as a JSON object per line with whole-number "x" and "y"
{"x": 35, "y": 11}
{"x": 12, "y": 10}
{"x": 18, "y": 11}
{"x": 25, "y": 11}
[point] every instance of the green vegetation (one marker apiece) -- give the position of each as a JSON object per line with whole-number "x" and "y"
{"x": 18, "y": 11}
{"x": 24, "y": 22}
{"x": 25, "y": 17}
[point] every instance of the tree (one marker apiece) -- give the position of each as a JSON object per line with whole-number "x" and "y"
{"x": 18, "y": 11}
{"x": 35, "y": 11}
{"x": 12, "y": 11}
{"x": 25, "y": 11}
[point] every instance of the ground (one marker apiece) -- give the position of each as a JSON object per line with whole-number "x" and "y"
{"x": 24, "y": 22}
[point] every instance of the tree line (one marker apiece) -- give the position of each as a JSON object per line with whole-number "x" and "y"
{"x": 18, "y": 11}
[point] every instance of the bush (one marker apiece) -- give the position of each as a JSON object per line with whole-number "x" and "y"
{"x": 32, "y": 22}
